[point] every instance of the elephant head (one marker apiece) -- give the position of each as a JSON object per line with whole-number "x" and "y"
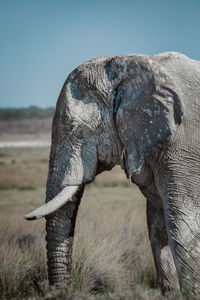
{"x": 111, "y": 110}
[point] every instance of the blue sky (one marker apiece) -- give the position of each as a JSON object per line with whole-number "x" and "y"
{"x": 42, "y": 41}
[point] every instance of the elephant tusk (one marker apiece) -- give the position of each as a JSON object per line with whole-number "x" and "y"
{"x": 63, "y": 197}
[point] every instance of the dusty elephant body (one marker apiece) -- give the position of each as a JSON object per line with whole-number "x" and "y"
{"x": 142, "y": 112}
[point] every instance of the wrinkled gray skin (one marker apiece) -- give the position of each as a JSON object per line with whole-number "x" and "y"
{"x": 142, "y": 112}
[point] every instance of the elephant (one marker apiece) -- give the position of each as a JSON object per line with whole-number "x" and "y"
{"x": 143, "y": 113}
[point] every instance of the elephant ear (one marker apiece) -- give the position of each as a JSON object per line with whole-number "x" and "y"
{"x": 147, "y": 113}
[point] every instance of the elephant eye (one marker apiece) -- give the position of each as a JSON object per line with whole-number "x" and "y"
{"x": 78, "y": 133}
{"x": 81, "y": 131}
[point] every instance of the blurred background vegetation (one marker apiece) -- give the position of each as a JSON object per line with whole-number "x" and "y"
{"x": 31, "y": 112}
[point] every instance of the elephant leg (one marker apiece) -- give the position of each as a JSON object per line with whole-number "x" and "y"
{"x": 166, "y": 270}
{"x": 183, "y": 223}
{"x": 60, "y": 234}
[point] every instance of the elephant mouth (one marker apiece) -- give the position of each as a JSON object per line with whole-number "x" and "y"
{"x": 57, "y": 202}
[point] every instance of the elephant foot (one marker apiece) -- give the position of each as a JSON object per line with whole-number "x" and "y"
{"x": 168, "y": 288}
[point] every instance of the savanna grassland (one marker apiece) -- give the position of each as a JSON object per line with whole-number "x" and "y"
{"x": 112, "y": 257}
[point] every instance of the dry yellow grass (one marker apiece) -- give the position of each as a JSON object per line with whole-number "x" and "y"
{"x": 112, "y": 257}
{"x": 23, "y": 168}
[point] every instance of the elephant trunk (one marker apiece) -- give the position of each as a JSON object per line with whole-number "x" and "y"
{"x": 60, "y": 233}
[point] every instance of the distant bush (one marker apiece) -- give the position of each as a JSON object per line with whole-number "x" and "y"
{"x": 32, "y": 112}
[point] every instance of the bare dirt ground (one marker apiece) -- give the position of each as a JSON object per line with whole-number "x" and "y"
{"x": 25, "y": 127}
{"x": 25, "y": 133}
